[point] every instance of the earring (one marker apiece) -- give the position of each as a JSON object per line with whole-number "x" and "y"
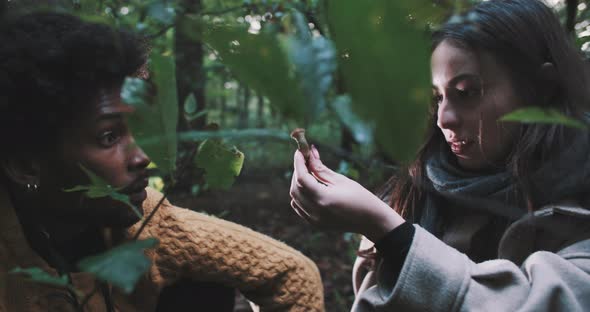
{"x": 32, "y": 187}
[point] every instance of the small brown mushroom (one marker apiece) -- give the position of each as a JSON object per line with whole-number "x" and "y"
{"x": 299, "y": 136}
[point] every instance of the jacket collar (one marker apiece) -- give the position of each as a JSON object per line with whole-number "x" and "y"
{"x": 551, "y": 228}
{"x": 13, "y": 242}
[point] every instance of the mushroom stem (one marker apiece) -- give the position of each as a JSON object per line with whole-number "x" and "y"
{"x": 299, "y": 136}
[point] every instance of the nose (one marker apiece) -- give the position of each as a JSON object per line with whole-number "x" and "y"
{"x": 448, "y": 117}
{"x": 138, "y": 159}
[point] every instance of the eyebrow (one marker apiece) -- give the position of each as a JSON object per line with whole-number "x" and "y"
{"x": 459, "y": 77}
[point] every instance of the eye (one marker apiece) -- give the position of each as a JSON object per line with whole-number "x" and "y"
{"x": 108, "y": 138}
{"x": 467, "y": 93}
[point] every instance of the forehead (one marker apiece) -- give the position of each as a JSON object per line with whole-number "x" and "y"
{"x": 107, "y": 102}
{"x": 449, "y": 61}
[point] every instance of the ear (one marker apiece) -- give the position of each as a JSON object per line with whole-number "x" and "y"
{"x": 21, "y": 171}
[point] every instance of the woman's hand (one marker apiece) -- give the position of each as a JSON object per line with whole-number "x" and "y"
{"x": 330, "y": 200}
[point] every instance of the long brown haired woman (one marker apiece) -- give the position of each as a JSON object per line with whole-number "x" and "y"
{"x": 475, "y": 176}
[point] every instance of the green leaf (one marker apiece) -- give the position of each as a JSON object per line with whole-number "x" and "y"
{"x": 539, "y": 115}
{"x": 100, "y": 188}
{"x": 362, "y": 131}
{"x": 122, "y": 266}
{"x": 384, "y": 57}
{"x": 154, "y": 122}
{"x": 190, "y": 104}
{"x": 245, "y": 54}
{"x": 38, "y": 275}
{"x": 222, "y": 163}
{"x": 313, "y": 59}
{"x": 190, "y": 108}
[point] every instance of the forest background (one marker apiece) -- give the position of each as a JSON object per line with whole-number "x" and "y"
{"x": 229, "y": 80}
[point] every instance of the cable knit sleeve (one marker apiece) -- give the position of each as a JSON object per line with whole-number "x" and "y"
{"x": 194, "y": 245}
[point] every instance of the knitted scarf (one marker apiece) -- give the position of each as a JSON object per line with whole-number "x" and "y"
{"x": 493, "y": 193}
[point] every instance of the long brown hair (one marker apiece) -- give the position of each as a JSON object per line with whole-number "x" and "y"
{"x": 522, "y": 35}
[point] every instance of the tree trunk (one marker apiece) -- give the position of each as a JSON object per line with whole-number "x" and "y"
{"x": 190, "y": 77}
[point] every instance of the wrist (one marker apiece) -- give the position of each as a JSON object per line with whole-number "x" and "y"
{"x": 385, "y": 221}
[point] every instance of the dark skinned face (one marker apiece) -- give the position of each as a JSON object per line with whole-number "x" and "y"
{"x": 101, "y": 141}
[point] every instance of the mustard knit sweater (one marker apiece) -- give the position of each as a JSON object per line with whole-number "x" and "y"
{"x": 192, "y": 245}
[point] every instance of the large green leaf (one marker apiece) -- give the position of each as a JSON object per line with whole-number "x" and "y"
{"x": 100, "y": 188}
{"x": 122, "y": 266}
{"x": 156, "y": 117}
{"x": 38, "y": 275}
{"x": 384, "y": 58}
{"x": 362, "y": 131}
{"x": 313, "y": 59}
{"x": 293, "y": 70}
{"x": 222, "y": 163}
{"x": 259, "y": 61}
{"x": 539, "y": 115}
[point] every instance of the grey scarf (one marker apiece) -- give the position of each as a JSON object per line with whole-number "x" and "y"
{"x": 493, "y": 193}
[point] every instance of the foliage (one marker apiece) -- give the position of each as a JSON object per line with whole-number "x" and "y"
{"x": 313, "y": 61}
{"x": 245, "y": 53}
{"x": 222, "y": 163}
{"x": 384, "y": 60}
{"x": 154, "y": 121}
{"x": 122, "y": 266}
{"x": 539, "y": 115}
{"x": 100, "y": 188}
{"x": 38, "y": 275}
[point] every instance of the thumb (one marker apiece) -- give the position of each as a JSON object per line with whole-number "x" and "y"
{"x": 318, "y": 169}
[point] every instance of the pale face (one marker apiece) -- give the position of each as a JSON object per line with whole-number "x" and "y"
{"x": 472, "y": 92}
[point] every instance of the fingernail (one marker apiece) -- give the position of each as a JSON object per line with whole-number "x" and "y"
{"x": 315, "y": 152}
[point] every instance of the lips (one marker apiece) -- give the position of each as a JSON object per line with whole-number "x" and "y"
{"x": 138, "y": 197}
{"x": 136, "y": 191}
{"x": 460, "y": 147}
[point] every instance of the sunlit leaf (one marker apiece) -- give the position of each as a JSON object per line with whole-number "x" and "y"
{"x": 154, "y": 122}
{"x": 100, "y": 188}
{"x": 122, "y": 266}
{"x": 385, "y": 60}
{"x": 222, "y": 163}
{"x": 38, "y": 275}
{"x": 539, "y": 115}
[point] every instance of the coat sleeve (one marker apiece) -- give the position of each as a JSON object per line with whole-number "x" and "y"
{"x": 436, "y": 277}
{"x": 204, "y": 248}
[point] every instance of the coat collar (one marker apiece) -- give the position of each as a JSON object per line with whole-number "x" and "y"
{"x": 13, "y": 242}
{"x": 551, "y": 228}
